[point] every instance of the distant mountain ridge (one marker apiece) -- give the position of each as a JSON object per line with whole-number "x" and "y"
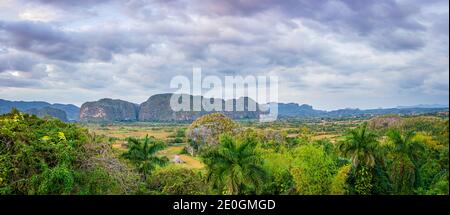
{"x": 424, "y": 106}
{"x": 72, "y": 112}
{"x": 305, "y": 111}
{"x": 296, "y": 110}
{"x": 157, "y": 109}
{"x": 48, "y": 111}
{"x": 108, "y": 110}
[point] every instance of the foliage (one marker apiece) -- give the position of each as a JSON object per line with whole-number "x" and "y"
{"x": 174, "y": 180}
{"x": 312, "y": 170}
{"x": 385, "y": 122}
{"x": 270, "y": 138}
{"x": 430, "y": 172}
{"x": 363, "y": 180}
{"x": 429, "y": 142}
{"x": 206, "y": 130}
{"x": 277, "y": 166}
{"x": 368, "y": 165}
{"x": 381, "y": 182}
{"x": 402, "y": 175}
{"x": 142, "y": 153}
{"x": 406, "y": 144}
{"x": 339, "y": 184}
{"x": 98, "y": 181}
{"x": 430, "y": 124}
{"x": 177, "y": 137}
{"x": 360, "y": 145}
{"x": 379, "y": 156}
{"x": 235, "y": 167}
{"x": 439, "y": 186}
{"x": 47, "y": 156}
{"x": 406, "y": 152}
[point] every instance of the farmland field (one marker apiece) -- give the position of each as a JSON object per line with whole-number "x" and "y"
{"x": 119, "y": 132}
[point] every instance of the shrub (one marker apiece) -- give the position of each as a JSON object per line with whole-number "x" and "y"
{"x": 312, "y": 170}
{"x": 174, "y": 180}
{"x": 205, "y": 131}
{"x": 339, "y": 184}
{"x": 47, "y": 156}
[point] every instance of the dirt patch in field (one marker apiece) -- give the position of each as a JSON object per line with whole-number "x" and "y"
{"x": 188, "y": 161}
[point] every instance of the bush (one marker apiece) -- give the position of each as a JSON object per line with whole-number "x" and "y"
{"x": 363, "y": 180}
{"x": 339, "y": 185}
{"x": 174, "y": 180}
{"x": 277, "y": 166}
{"x": 205, "y": 131}
{"x": 312, "y": 170}
{"x": 47, "y": 156}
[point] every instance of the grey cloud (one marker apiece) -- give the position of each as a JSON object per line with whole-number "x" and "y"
{"x": 440, "y": 25}
{"x": 71, "y": 3}
{"x": 16, "y": 63}
{"x": 54, "y": 43}
{"x": 349, "y": 17}
{"x": 330, "y": 47}
{"x": 156, "y": 9}
{"x": 43, "y": 39}
{"x": 17, "y": 82}
{"x": 398, "y": 40}
{"x": 362, "y": 16}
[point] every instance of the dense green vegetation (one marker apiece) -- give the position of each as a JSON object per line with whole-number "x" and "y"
{"x": 142, "y": 154}
{"x": 235, "y": 166}
{"x": 383, "y": 155}
{"x": 47, "y": 156}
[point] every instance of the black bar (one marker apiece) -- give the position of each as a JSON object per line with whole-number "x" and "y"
{"x": 165, "y": 204}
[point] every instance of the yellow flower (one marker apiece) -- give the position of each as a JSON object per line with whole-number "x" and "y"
{"x": 61, "y": 136}
{"x": 45, "y": 138}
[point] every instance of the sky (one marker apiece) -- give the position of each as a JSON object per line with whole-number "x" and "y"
{"x": 329, "y": 54}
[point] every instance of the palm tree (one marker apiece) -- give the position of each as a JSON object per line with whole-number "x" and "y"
{"x": 234, "y": 165}
{"x": 405, "y": 144}
{"x": 406, "y": 155}
{"x": 361, "y": 146}
{"x": 142, "y": 154}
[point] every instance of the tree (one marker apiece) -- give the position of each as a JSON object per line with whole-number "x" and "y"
{"x": 312, "y": 170}
{"x": 406, "y": 144}
{"x": 142, "y": 154}
{"x": 48, "y": 156}
{"x": 235, "y": 166}
{"x": 339, "y": 184}
{"x": 206, "y": 130}
{"x": 277, "y": 166}
{"x": 174, "y": 180}
{"x": 363, "y": 180}
{"x": 406, "y": 150}
{"x": 361, "y": 146}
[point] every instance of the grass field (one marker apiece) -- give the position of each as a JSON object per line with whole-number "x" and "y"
{"x": 331, "y": 130}
{"x": 120, "y": 133}
{"x": 188, "y": 161}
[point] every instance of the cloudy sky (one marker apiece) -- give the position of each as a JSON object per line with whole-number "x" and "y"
{"x": 330, "y": 54}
